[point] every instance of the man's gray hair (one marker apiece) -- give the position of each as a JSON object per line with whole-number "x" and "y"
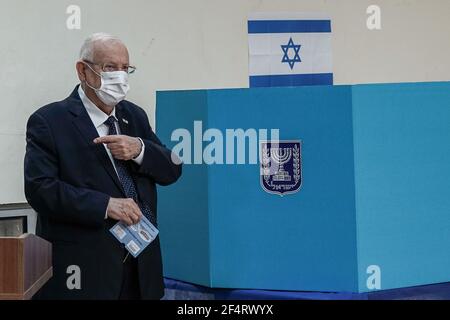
{"x": 87, "y": 49}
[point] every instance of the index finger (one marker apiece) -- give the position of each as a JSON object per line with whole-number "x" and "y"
{"x": 107, "y": 139}
{"x": 136, "y": 209}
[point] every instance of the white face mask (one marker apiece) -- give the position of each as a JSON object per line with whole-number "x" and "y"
{"x": 114, "y": 86}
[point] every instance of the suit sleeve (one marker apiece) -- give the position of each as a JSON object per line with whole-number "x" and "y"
{"x": 46, "y": 193}
{"x": 158, "y": 162}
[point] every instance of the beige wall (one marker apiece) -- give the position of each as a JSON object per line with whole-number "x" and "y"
{"x": 181, "y": 44}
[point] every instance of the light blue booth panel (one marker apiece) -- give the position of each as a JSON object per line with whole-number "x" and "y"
{"x": 375, "y": 190}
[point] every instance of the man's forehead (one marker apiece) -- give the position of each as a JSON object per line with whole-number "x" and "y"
{"x": 114, "y": 52}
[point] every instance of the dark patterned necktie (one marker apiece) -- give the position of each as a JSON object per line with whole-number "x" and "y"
{"x": 126, "y": 179}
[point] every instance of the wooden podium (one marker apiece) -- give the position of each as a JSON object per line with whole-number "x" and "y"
{"x": 25, "y": 266}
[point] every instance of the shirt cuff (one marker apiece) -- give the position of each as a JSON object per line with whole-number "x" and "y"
{"x": 140, "y": 157}
{"x": 106, "y": 210}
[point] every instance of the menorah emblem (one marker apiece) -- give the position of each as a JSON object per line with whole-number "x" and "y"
{"x": 281, "y": 156}
{"x": 281, "y": 166}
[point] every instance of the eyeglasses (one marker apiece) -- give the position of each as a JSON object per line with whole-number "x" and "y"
{"x": 110, "y": 67}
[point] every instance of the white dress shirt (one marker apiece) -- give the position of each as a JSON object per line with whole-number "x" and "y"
{"x": 98, "y": 118}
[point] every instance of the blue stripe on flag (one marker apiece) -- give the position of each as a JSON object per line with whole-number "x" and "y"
{"x": 292, "y": 80}
{"x": 288, "y": 26}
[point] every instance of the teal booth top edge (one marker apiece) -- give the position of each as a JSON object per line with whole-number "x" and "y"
{"x": 356, "y": 85}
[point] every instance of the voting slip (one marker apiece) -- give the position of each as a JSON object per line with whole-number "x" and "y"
{"x": 135, "y": 237}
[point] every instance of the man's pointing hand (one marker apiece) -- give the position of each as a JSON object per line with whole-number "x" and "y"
{"x": 122, "y": 147}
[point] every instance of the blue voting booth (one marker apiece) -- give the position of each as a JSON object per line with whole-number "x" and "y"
{"x": 373, "y": 208}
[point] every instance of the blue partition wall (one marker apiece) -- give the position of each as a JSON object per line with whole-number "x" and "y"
{"x": 374, "y": 191}
{"x": 402, "y": 177}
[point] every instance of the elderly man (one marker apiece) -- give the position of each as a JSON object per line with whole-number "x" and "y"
{"x": 93, "y": 160}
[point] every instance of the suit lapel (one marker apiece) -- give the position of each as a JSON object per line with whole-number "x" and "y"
{"x": 124, "y": 120}
{"x": 86, "y": 128}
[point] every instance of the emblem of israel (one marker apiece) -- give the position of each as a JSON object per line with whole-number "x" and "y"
{"x": 281, "y": 166}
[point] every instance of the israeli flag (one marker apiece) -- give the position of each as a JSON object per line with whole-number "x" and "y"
{"x": 289, "y": 50}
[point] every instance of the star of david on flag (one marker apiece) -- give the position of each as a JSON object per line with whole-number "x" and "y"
{"x": 289, "y": 49}
{"x": 286, "y": 57}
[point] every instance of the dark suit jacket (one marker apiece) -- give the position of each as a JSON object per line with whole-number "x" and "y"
{"x": 69, "y": 180}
